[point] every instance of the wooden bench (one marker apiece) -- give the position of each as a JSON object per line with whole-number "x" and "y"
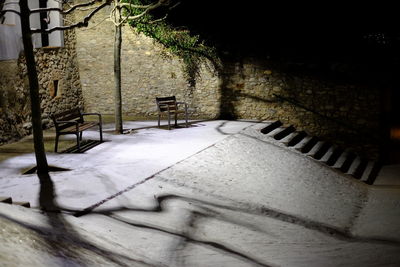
{"x": 72, "y": 122}
{"x": 169, "y": 106}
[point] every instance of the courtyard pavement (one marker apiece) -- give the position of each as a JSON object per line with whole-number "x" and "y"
{"x": 218, "y": 193}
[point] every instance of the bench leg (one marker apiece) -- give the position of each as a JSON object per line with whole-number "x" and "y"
{"x": 78, "y": 143}
{"x": 169, "y": 121}
{"x": 101, "y": 132}
{"x": 159, "y": 118}
{"x": 176, "y": 119}
{"x": 186, "y": 119}
{"x": 56, "y": 143}
{"x": 80, "y": 136}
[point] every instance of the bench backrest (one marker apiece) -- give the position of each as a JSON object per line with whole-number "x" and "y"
{"x": 69, "y": 115}
{"x": 166, "y": 103}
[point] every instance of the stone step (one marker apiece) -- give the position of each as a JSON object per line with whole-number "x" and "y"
{"x": 285, "y": 140}
{"x": 7, "y": 200}
{"x": 344, "y": 161}
{"x": 371, "y": 172}
{"x": 315, "y": 148}
{"x": 328, "y": 154}
{"x": 323, "y": 149}
{"x": 348, "y": 161}
{"x": 341, "y": 160}
{"x": 358, "y": 173}
{"x": 367, "y": 171}
{"x": 309, "y": 144}
{"x": 275, "y": 131}
{"x": 354, "y": 166}
{"x": 271, "y": 127}
{"x": 375, "y": 172}
{"x": 285, "y": 132}
{"x": 297, "y": 138}
{"x": 302, "y": 143}
{"x": 337, "y": 152}
{"x": 22, "y": 204}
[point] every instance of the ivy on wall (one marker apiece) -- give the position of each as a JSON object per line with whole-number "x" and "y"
{"x": 180, "y": 42}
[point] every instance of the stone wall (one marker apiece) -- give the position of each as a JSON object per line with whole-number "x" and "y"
{"x": 148, "y": 71}
{"x": 342, "y": 112}
{"x": 59, "y": 88}
{"x": 14, "y": 104}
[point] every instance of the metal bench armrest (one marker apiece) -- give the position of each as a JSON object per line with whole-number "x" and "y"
{"x": 93, "y": 113}
{"x": 183, "y": 103}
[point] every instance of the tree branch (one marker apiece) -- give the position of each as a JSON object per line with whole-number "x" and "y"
{"x": 159, "y": 2}
{"x": 158, "y": 20}
{"x": 151, "y": 7}
{"x": 148, "y": 8}
{"x": 80, "y": 24}
{"x": 39, "y": 10}
{"x": 134, "y": 6}
{"x": 166, "y": 15}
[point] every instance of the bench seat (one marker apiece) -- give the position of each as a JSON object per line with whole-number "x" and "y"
{"x": 81, "y": 127}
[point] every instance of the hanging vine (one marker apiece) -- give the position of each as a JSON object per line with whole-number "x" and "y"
{"x": 180, "y": 42}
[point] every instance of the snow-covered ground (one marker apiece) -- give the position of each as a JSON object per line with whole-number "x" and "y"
{"x": 216, "y": 194}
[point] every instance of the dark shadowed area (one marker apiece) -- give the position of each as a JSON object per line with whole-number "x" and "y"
{"x": 339, "y": 42}
{"x": 284, "y": 28}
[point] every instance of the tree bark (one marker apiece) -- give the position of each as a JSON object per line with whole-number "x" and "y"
{"x": 40, "y": 154}
{"x": 117, "y": 71}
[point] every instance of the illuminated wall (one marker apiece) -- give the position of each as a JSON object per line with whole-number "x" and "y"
{"x": 59, "y": 84}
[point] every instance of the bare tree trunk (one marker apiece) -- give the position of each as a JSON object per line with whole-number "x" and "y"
{"x": 41, "y": 160}
{"x": 117, "y": 71}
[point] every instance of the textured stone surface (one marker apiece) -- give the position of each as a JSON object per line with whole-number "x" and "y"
{"x": 345, "y": 113}
{"x": 56, "y": 68}
{"x": 147, "y": 71}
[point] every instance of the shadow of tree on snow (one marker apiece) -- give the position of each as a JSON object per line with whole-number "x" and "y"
{"x": 65, "y": 243}
{"x": 209, "y": 210}
{"x": 187, "y": 233}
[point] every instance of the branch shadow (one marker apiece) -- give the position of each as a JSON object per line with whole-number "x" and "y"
{"x": 63, "y": 240}
{"x": 186, "y": 233}
{"x": 186, "y": 237}
{"x": 327, "y": 230}
{"x": 208, "y": 211}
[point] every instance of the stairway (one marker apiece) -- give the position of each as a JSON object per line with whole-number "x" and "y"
{"x": 343, "y": 160}
{"x": 8, "y": 200}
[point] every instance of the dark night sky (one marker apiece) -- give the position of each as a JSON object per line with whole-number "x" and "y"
{"x": 282, "y": 28}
